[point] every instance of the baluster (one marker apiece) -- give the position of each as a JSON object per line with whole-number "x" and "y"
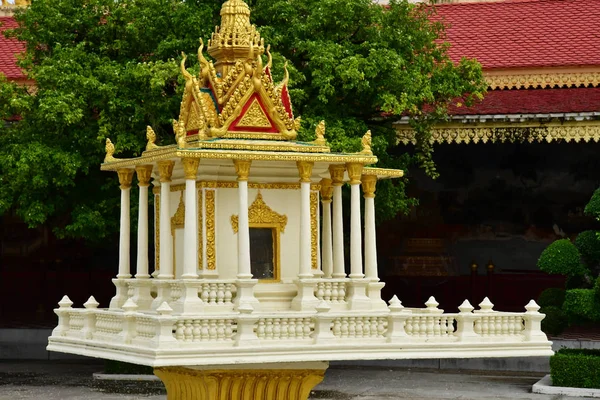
{"x": 228, "y": 328}
{"x": 337, "y": 328}
{"x": 345, "y": 327}
{"x": 204, "y": 331}
{"x": 204, "y": 293}
{"x": 220, "y": 293}
{"x": 352, "y": 327}
{"x": 212, "y": 329}
{"x": 221, "y": 329}
{"x": 196, "y": 330}
{"x": 320, "y": 291}
{"x": 285, "y": 333}
{"x": 408, "y": 327}
{"x": 228, "y": 293}
{"x": 335, "y": 294}
{"x": 269, "y": 329}
{"x": 328, "y": 292}
{"x": 188, "y": 333}
{"x": 306, "y": 326}
{"x": 261, "y": 330}
{"x": 212, "y": 296}
{"x": 341, "y": 292}
{"x": 498, "y": 325}
{"x": 277, "y": 328}
{"x": 299, "y": 328}
{"x": 423, "y": 326}
{"x": 179, "y": 331}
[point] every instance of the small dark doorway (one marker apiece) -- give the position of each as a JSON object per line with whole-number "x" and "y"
{"x": 262, "y": 254}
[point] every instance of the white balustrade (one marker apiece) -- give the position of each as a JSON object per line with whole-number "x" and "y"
{"x": 499, "y": 324}
{"x": 427, "y": 325}
{"x": 331, "y": 290}
{"x": 205, "y": 329}
{"x": 359, "y": 327}
{"x": 284, "y": 328}
{"x": 218, "y": 292}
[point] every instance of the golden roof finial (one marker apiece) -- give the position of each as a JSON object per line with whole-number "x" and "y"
{"x": 110, "y": 150}
{"x": 231, "y": 41}
{"x": 366, "y": 144}
{"x": 151, "y": 136}
{"x": 320, "y": 133}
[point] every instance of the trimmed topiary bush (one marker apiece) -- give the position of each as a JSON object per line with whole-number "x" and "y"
{"x": 555, "y": 320}
{"x": 554, "y": 297}
{"x": 593, "y": 207}
{"x": 588, "y": 244}
{"x": 576, "y": 368}
{"x": 561, "y": 257}
{"x": 582, "y": 305}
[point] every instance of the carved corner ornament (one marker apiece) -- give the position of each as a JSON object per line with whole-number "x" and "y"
{"x": 261, "y": 215}
{"x": 366, "y": 144}
{"x": 320, "y": 134}
{"x": 151, "y": 137}
{"x": 178, "y": 219}
{"x": 110, "y": 151}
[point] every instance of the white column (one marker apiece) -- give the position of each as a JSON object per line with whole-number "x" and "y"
{"x": 305, "y": 250}
{"x": 144, "y": 173}
{"x": 190, "y": 238}
{"x": 337, "y": 175}
{"x": 356, "y": 272}
{"x": 166, "y": 241}
{"x": 125, "y": 177}
{"x": 368, "y": 185}
{"x": 243, "y": 170}
{"x": 326, "y": 243}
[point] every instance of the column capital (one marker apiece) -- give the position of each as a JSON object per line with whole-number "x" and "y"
{"x": 369, "y": 183}
{"x": 326, "y": 189}
{"x": 190, "y": 167}
{"x": 242, "y": 169}
{"x": 165, "y": 169}
{"x": 305, "y": 170}
{"x": 125, "y": 177}
{"x": 144, "y": 174}
{"x": 337, "y": 174}
{"x": 354, "y": 172}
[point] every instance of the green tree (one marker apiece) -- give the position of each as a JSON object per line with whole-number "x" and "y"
{"x": 106, "y": 68}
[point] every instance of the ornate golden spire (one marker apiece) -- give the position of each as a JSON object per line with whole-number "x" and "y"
{"x": 236, "y": 36}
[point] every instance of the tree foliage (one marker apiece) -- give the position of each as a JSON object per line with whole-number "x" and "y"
{"x": 106, "y": 68}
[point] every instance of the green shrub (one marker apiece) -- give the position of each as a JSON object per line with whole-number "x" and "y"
{"x": 593, "y": 207}
{"x": 589, "y": 246}
{"x": 561, "y": 257}
{"x": 576, "y": 368}
{"x": 555, "y": 320}
{"x": 582, "y": 305}
{"x": 552, "y": 297}
{"x": 119, "y": 367}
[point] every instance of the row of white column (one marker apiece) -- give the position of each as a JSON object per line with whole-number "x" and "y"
{"x": 332, "y": 237}
{"x": 332, "y": 240}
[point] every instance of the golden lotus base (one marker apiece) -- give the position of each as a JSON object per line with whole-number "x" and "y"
{"x": 290, "y": 381}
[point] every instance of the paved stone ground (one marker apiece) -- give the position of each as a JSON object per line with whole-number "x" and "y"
{"x": 72, "y": 380}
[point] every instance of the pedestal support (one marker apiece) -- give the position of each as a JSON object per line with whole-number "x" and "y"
{"x": 289, "y": 381}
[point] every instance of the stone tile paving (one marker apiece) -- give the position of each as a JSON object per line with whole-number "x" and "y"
{"x": 72, "y": 380}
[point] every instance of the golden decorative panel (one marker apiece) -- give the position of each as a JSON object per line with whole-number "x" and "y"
{"x": 178, "y": 219}
{"x": 157, "y": 230}
{"x": 211, "y": 251}
{"x": 511, "y": 133}
{"x": 260, "y": 214}
{"x": 251, "y": 185}
{"x": 314, "y": 229}
{"x": 200, "y": 230}
{"x": 255, "y": 117}
{"x": 543, "y": 80}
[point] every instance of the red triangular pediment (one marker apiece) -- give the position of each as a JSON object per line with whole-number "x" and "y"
{"x": 253, "y": 118}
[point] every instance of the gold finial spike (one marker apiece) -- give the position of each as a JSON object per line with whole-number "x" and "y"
{"x": 320, "y": 134}
{"x": 184, "y": 71}
{"x": 151, "y": 136}
{"x": 286, "y": 78}
{"x": 366, "y": 144}
{"x": 110, "y": 151}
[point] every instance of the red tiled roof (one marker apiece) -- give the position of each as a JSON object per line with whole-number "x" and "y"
{"x": 525, "y": 33}
{"x": 9, "y": 49}
{"x": 534, "y": 101}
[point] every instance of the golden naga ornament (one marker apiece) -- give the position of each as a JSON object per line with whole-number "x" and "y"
{"x": 366, "y": 144}
{"x": 151, "y": 137}
{"x": 320, "y": 134}
{"x": 110, "y": 151}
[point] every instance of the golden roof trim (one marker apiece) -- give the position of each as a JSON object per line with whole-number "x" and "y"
{"x": 285, "y": 146}
{"x": 383, "y": 173}
{"x": 571, "y": 131}
{"x": 234, "y": 185}
{"x": 549, "y": 79}
{"x": 238, "y": 155}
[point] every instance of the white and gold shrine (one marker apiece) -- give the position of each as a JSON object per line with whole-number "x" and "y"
{"x": 249, "y": 268}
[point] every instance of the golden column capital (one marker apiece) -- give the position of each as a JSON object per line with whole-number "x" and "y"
{"x": 242, "y": 169}
{"x": 190, "y": 167}
{"x": 369, "y": 183}
{"x": 165, "y": 170}
{"x": 125, "y": 177}
{"x": 337, "y": 174}
{"x": 354, "y": 172}
{"x": 144, "y": 174}
{"x": 326, "y": 189}
{"x": 305, "y": 170}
